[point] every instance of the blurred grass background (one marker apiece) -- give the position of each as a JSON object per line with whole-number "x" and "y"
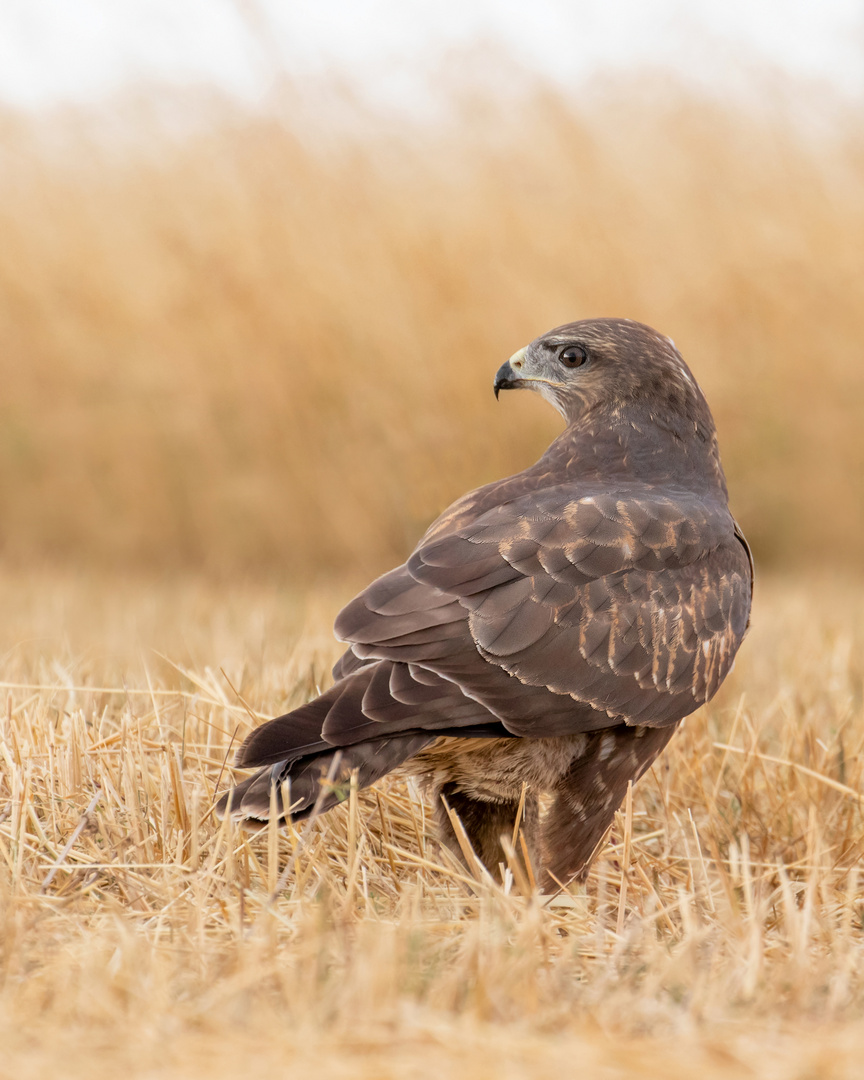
{"x": 246, "y": 341}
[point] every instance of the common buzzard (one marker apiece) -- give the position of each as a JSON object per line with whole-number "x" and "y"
{"x": 550, "y": 629}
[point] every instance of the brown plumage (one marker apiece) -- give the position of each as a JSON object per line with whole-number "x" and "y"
{"x": 550, "y": 629}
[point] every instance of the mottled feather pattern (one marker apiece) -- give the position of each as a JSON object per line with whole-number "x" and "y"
{"x": 652, "y": 587}
{"x": 550, "y": 629}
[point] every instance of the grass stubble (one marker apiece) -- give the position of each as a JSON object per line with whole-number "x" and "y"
{"x": 243, "y": 344}
{"x": 720, "y": 930}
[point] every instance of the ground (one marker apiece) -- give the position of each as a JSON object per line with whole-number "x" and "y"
{"x": 720, "y": 933}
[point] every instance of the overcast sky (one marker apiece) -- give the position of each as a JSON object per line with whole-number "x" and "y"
{"x": 57, "y": 50}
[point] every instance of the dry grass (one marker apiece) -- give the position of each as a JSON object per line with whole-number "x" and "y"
{"x": 232, "y": 342}
{"x": 253, "y": 344}
{"x": 720, "y": 935}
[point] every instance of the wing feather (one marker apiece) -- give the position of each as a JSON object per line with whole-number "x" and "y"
{"x": 631, "y": 603}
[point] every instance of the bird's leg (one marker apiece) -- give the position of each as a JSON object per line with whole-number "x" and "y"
{"x": 587, "y": 796}
{"x": 571, "y": 837}
{"x": 485, "y": 822}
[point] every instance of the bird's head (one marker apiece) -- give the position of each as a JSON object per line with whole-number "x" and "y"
{"x": 608, "y": 365}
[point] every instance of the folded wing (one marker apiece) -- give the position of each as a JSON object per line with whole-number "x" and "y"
{"x": 562, "y": 614}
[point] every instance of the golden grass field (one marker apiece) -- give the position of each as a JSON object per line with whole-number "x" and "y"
{"x": 720, "y": 934}
{"x": 231, "y": 339}
{"x": 245, "y": 358}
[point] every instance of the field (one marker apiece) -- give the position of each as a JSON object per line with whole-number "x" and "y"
{"x": 267, "y": 342}
{"x": 245, "y": 357}
{"x": 720, "y": 931}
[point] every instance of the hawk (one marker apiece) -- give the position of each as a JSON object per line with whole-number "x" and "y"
{"x": 550, "y": 630}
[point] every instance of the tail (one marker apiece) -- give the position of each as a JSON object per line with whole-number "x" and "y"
{"x": 322, "y": 778}
{"x": 371, "y": 721}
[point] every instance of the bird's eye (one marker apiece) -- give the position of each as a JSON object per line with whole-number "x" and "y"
{"x": 573, "y": 356}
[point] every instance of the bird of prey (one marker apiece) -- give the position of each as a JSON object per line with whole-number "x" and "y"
{"x": 550, "y": 629}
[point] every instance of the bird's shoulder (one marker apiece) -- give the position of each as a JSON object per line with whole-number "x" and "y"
{"x": 627, "y": 592}
{"x": 587, "y": 529}
{"x": 480, "y": 501}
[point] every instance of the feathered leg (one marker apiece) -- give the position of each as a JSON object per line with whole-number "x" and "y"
{"x": 485, "y": 822}
{"x": 587, "y": 796}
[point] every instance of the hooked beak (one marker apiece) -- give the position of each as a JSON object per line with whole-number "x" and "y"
{"x": 507, "y": 377}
